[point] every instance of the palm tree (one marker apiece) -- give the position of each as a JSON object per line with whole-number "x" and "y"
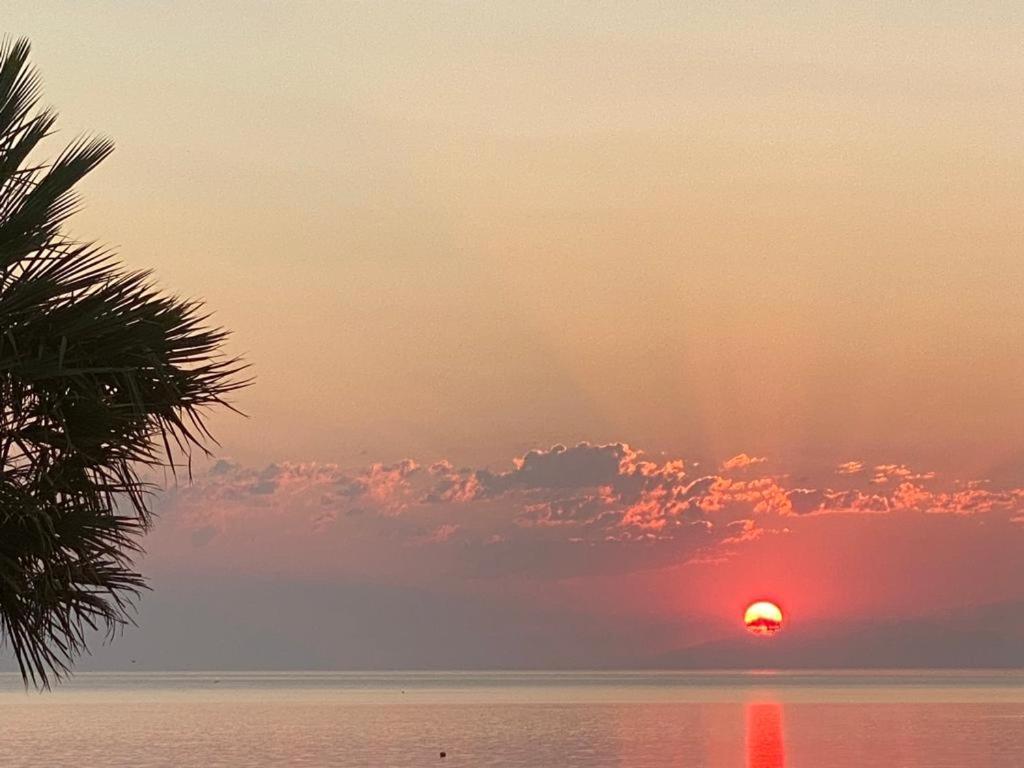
{"x": 102, "y": 378}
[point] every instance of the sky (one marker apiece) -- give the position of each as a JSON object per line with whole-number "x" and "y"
{"x": 575, "y": 326}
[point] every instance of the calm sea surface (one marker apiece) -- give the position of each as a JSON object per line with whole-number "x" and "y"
{"x": 628, "y": 719}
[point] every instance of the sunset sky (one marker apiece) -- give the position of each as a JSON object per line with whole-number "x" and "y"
{"x": 573, "y": 332}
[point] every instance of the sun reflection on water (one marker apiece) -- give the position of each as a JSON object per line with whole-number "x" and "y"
{"x": 766, "y": 746}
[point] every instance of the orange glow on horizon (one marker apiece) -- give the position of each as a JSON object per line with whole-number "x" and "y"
{"x": 763, "y": 618}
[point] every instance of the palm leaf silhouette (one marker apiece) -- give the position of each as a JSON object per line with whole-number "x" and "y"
{"x": 101, "y": 376}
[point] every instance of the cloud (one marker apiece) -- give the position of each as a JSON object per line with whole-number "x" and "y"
{"x": 586, "y": 510}
{"x": 803, "y": 501}
{"x": 582, "y": 466}
{"x": 547, "y": 514}
{"x": 385, "y": 484}
{"x": 742, "y": 461}
{"x": 603, "y": 530}
{"x": 884, "y": 473}
{"x": 742, "y": 530}
{"x": 442, "y": 533}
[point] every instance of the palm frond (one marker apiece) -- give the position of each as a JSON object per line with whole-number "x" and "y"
{"x": 101, "y": 375}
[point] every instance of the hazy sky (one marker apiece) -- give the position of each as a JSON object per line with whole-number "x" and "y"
{"x": 460, "y": 232}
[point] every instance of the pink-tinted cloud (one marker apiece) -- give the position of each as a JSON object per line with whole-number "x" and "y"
{"x": 885, "y": 473}
{"x": 850, "y": 468}
{"x": 549, "y": 504}
{"x": 742, "y": 461}
{"x": 603, "y": 528}
{"x": 742, "y": 530}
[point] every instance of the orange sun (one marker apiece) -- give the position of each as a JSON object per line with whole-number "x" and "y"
{"x": 763, "y": 618}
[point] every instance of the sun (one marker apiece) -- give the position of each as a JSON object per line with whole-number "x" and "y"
{"x": 763, "y": 618}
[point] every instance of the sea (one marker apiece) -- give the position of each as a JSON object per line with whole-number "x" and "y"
{"x": 760, "y": 719}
